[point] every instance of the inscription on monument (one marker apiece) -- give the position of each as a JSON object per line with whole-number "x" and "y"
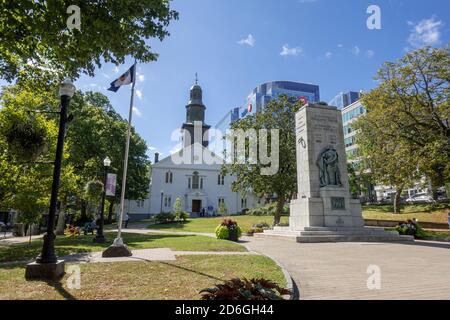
{"x": 337, "y": 203}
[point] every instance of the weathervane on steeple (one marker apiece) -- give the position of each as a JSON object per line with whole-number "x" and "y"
{"x": 196, "y": 78}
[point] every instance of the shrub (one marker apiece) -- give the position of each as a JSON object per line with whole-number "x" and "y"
{"x": 261, "y": 225}
{"x": 266, "y": 210}
{"x": 226, "y": 229}
{"x": 243, "y": 289}
{"x": 411, "y": 228}
{"x": 222, "y": 232}
{"x": 164, "y": 217}
{"x": 181, "y": 215}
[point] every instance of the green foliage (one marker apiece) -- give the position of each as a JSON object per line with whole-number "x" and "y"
{"x": 36, "y": 40}
{"x": 165, "y": 217}
{"x": 222, "y": 209}
{"x": 224, "y": 230}
{"x": 266, "y": 210}
{"x": 178, "y": 212}
{"x": 93, "y": 191}
{"x": 243, "y": 289}
{"x": 411, "y": 228}
{"x": 221, "y": 232}
{"x": 96, "y": 131}
{"x": 406, "y": 127}
{"x": 279, "y": 114}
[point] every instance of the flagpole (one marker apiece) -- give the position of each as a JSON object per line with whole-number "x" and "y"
{"x": 118, "y": 241}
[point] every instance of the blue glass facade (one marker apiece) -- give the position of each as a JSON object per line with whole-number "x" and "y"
{"x": 265, "y": 92}
{"x": 343, "y": 100}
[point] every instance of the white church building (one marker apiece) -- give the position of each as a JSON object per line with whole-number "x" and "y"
{"x": 192, "y": 174}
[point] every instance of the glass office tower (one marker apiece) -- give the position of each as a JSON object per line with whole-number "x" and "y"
{"x": 265, "y": 92}
{"x": 344, "y": 99}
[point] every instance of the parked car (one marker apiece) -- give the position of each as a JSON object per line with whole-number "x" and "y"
{"x": 420, "y": 198}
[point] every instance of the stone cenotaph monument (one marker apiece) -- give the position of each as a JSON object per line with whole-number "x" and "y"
{"x": 324, "y": 210}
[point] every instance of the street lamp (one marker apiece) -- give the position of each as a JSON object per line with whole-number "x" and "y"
{"x": 100, "y": 238}
{"x": 162, "y": 193}
{"x": 47, "y": 264}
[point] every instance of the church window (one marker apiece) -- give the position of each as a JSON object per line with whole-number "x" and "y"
{"x": 189, "y": 183}
{"x": 169, "y": 177}
{"x": 201, "y": 183}
{"x": 220, "y": 180}
{"x": 243, "y": 203}
{"x": 221, "y": 201}
{"x": 195, "y": 180}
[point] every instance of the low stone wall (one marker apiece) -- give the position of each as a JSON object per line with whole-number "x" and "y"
{"x": 394, "y": 223}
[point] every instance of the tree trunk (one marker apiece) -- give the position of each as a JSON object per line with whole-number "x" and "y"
{"x": 61, "y": 217}
{"x": 83, "y": 217}
{"x": 279, "y": 211}
{"x": 397, "y": 199}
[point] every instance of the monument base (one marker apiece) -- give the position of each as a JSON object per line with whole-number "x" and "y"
{"x": 335, "y": 234}
{"x": 47, "y": 271}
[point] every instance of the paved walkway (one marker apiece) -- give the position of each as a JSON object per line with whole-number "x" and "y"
{"x": 144, "y": 230}
{"x": 157, "y": 254}
{"x": 419, "y": 270}
{"x": 16, "y": 240}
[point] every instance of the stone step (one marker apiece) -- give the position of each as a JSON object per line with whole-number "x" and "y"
{"x": 353, "y": 238}
{"x": 355, "y": 234}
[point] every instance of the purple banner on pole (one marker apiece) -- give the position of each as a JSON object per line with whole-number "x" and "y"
{"x": 111, "y": 184}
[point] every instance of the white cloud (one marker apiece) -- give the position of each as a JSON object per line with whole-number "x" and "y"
{"x": 176, "y": 148}
{"x": 139, "y": 94}
{"x": 250, "y": 41}
{"x": 370, "y": 54}
{"x": 426, "y": 32}
{"x": 141, "y": 78}
{"x": 340, "y": 45}
{"x": 116, "y": 69}
{"x": 306, "y": 1}
{"x": 151, "y": 148}
{"x": 328, "y": 55}
{"x": 286, "y": 51}
{"x": 137, "y": 112}
{"x": 106, "y": 75}
{"x": 356, "y": 51}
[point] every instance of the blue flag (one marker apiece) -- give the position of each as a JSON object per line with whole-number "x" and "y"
{"x": 126, "y": 78}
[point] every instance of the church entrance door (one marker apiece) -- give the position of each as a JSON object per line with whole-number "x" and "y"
{"x": 196, "y": 205}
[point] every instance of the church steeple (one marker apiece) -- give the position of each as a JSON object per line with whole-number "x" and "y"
{"x": 195, "y": 113}
{"x": 195, "y": 110}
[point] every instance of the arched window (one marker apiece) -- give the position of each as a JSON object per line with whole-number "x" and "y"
{"x": 195, "y": 180}
{"x": 169, "y": 177}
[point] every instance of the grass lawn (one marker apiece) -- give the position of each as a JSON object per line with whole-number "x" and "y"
{"x": 422, "y": 212}
{"x": 68, "y": 245}
{"x": 181, "y": 279}
{"x": 208, "y": 225}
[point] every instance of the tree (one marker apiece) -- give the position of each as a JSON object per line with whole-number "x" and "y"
{"x": 410, "y": 110}
{"x": 96, "y": 131}
{"x": 38, "y": 43}
{"x": 391, "y": 163}
{"x": 279, "y": 115}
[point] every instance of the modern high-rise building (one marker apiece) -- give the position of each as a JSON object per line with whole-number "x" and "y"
{"x": 265, "y": 92}
{"x": 344, "y": 99}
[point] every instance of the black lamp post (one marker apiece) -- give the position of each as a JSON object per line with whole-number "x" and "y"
{"x": 47, "y": 264}
{"x": 162, "y": 193}
{"x": 100, "y": 238}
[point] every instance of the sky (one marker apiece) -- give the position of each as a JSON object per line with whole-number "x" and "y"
{"x": 235, "y": 45}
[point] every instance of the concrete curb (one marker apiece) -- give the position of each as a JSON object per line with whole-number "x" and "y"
{"x": 287, "y": 276}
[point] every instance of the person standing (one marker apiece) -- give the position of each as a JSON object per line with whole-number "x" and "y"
{"x": 126, "y": 218}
